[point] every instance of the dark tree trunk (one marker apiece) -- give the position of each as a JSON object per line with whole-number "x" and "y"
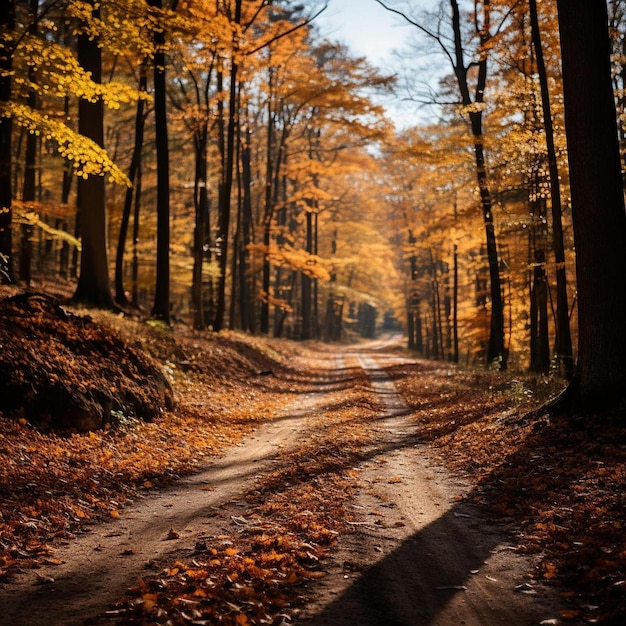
{"x": 136, "y": 216}
{"x": 496, "y": 351}
{"x": 598, "y": 212}
{"x": 307, "y": 285}
{"x": 410, "y": 324}
{"x": 455, "y": 307}
{"x": 269, "y": 206}
{"x": 66, "y": 183}
{"x": 7, "y": 24}
{"x": 539, "y": 340}
{"x": 161, "y": 307}
{"x": 28, "y": 195}
{"x": 224, "y": 209}
{"x": 30, "y": 164}
{"x": 201, "y": 205}
{"x": 434, "y": 284}
{"x": 120, "y": 292}
{"x": 245, "y": 291}
{"x": 564, "y": 349}
{"x": 94, "y": 287}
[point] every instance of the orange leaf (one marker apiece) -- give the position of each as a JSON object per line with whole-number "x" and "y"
{"x": 149, "y": 600}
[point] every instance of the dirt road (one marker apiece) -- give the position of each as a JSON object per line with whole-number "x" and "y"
{"x": 417, "y": 553}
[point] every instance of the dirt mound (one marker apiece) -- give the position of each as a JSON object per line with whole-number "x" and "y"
{"x": 65, "y": 372}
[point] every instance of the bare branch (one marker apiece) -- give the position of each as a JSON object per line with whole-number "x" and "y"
{"x": 289, "y": 31}
{"x": 433, "y": 35}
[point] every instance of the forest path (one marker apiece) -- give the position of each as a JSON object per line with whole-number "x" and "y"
{"x": 99, "y": 566}
{"x": 421, "y": 554}
{"x": 417, "y": 555}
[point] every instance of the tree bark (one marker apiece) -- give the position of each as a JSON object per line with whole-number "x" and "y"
{"x": 224, "y": 209}
{"x": 94, "y": 287}
{"x": 598, "y": 212}
{"x": 564, "y": 349}
{"x": 201, "y": 206}
{"x": 120, "y": 293}
{"x": 496, "y": 351}
{"x": 30, "y": 164}
{"x": 7, "y": 26}
{"x": 161, "y": 307}
{"x": 245, "y": 290}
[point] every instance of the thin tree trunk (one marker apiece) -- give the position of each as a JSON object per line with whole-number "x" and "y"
{"x": 66, "y": 184}
{"x": 307, "y": 284}
{"x": 564, "y": 349}
{"x": 136, "y": 216}
{"x": 30, "y": 164}
{"x": 245, "y": 292}
{"x": 224, "y": 212}
{"x": 7, "y": 25}
{"x": 234, "y": 274}
{"x": 455, "y": 307}
{"x": 161, "y": 307}
{"x": 201, "y": 205}
{"x": 120, "y": 293}
{"x": 496, "y": 350}
{"x": 28, "y": 195}
{"x": 269, "y": 207}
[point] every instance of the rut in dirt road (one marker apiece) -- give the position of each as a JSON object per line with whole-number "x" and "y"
{"x": 413, "y": 553}
{"x": 99, "y": 566}
{"x": 420, "y": 556}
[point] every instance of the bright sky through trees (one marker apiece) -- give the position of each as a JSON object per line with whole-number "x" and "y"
{"x": 371, "y": 31}
{"x": 365, "y": 27}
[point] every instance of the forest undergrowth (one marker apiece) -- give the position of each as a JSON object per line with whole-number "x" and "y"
{"x": 557, "y": 483}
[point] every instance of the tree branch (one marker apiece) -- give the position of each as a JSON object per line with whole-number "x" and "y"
{"x": 435, "y": 36}
{"x": 288, "y": 32}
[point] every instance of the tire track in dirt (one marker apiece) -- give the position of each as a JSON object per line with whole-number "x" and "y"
{"x": 100, "y": 565}
{"x": 419, "y": 554}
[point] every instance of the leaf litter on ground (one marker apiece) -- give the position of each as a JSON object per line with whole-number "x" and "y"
{"x": 559, "y": 483}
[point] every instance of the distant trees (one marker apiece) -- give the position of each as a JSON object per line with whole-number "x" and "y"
{"x": 469, "y": 69}
{"x": 275, "y": 197}
{"x": 256, "y": 233}
{"x": 521, "y": 291}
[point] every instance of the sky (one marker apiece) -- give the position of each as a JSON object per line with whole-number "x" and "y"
{"x": 370, "y": 30}
{"x": 365, "y": 27}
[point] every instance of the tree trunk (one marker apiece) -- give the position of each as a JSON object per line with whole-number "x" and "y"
{"x": 269, "y": 205}
{"x": 30, "y": 164}
{"x": 539, "y": 340}
{"x": 161, "y": 306}
{"x": 120, "y": 293}
{"x": 564, "y": 351}
{"x": 136, "y": 215}
{"x": 224, "y": 210}
{"x": 201, "y": 205}
{"x": 455, "y": 306}
{"x": 7, "y": 25}
{"x": 598, "y": 211}
{"x": 28, "y": 195}
{"x": 245, "y": 291}
{"x": 496, "y": 351}
{"x": 94, "y": 287}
